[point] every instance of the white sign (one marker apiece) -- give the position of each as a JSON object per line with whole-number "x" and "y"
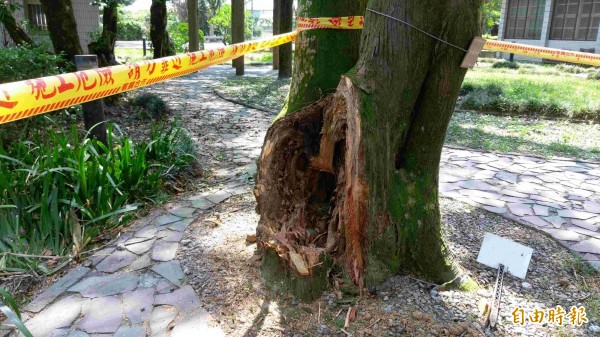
{"x": 497, "y": 250}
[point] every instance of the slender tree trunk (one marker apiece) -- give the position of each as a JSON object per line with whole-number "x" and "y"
{"x": 193, "y": 25}
{"x": 285, "y": 26}
{"x": 352, "y": 180}
{"x": 158, "y": 29}
{"x": 16, "y": 33}
{"x": 62, "y": 27}
{"x": 104, "y": 47}
{"x": 320, "y": 49}
{"x": 237, "y": 31}
{"x": 276, "y": 7}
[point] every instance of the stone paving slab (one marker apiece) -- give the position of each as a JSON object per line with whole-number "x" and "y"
{"x": 134, "y": 288}
{"x": 563, "y": 201}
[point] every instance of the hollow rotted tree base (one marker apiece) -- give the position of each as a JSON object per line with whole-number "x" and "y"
{"x": 319, "y": 222}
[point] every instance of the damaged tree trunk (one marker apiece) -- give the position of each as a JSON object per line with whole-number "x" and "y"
{"x": 350, "y": 183}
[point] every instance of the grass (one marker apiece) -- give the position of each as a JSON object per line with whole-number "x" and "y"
{"x": 522, "y": 134}
{"x": 559, "y": 138}
{"x": 534, "y": 90}
{"x": 127, "y": 55}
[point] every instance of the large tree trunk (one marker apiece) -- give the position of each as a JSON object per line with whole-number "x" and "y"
{"x": 62, "y": 27}
{"x": 104, "y": 47}
{"x": 158, "y": 29}
{"x": 323, "y": 55}
{"x": 16, "y": 33}
{"x": 193, "y": 25}
{"x": 352, "y": 180}
{"x": 286, "y": 14}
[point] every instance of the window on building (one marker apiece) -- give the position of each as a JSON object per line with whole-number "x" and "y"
{"x": 524, "y": 19}
{"x": 575, "y": 20}
{"x": 36, "y": 17}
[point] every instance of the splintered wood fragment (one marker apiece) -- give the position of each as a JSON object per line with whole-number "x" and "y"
{"x": 251, "y": 238}
{"x": 347, "y": 322}
{"x": 299, "y": 264}
{"x": 474, "y": 50}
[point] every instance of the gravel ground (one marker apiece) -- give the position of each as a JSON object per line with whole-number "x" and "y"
{"x": 223, "y": 269}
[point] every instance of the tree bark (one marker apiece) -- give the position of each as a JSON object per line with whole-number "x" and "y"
{"x": 158, "y": 29}
{"x": 352, "y": 180}
{"x": 285, "y": 26}
{"x": 237, "y": 32}
{"x": 104, "y": 47}
{"x": 16, "y": 33}
{"x": 193, "y": 25}
{"x": 62, "y": 27}
{"x": 323, "y": 55}
{"x": 276, "y": 7}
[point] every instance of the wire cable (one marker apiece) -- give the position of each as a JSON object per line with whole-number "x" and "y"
{"x": 419, "y": 29}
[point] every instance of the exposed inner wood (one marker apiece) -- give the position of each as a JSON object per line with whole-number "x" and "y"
{"x": 310, "y": 188}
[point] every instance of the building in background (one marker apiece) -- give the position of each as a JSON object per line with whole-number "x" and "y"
{"x": 563, "y": 24}
{"x": 33, "y": 19}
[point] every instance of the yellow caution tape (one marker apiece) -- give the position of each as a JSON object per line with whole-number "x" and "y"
{"x": 543, "y": 52}
{"x": 28, "y": 98}
{"x": 347, "y": 22}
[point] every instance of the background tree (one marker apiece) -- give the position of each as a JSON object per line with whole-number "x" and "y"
{"x": 62, "y": 27}
{"x": 16, "y": 33}
{"x": 181, "y": 8}
{"x": 222, "y": 23}
{"x": 276, "y": 6}
{"x": 158, "y": 29}
{"x": 104, "y": 46}
{"x": 491, "y": 15}
{"x": 350, "y": 183}
{"x": 194, "y": 41}
{"x": 286, "y": 13}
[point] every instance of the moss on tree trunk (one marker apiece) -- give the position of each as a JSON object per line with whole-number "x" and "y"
{"x": 62, "y": 27}
{"x": 323, "y": 55}
{"x": 353, "y": 178}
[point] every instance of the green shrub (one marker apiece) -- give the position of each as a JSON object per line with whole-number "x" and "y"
{"x": 178, "y": 31}
{"x": 129, "y": 31}
{"x": 150, "y": 106}
{"x": 594, "y": 76}
{"x": 505, "y": 64}
{"x": 222, "y": 23}
{"x": 60, "y": 192}
{"x": 24, "y": 62}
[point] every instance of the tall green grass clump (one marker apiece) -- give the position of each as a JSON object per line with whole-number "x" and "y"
{"x": 60, "y": 192}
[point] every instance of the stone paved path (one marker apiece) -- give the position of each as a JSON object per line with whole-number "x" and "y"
{"x": 136, "y": 286}
{"x": 559, "y": 197}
